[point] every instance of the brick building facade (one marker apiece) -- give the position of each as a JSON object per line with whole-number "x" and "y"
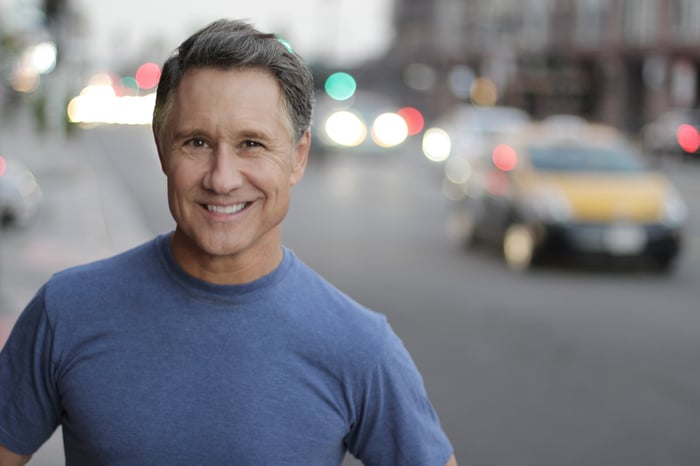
{"x": 618, "y": 61}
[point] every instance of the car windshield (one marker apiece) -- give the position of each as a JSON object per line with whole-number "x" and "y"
{"x": 488, "y": 119}
{"x": 582, "y": 158}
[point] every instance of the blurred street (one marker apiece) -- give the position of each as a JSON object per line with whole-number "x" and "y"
{"x": 561, "y": 366}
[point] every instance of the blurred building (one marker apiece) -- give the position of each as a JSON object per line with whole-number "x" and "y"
{"x": 618, "y": 61}
{"x": 41, "y": 58}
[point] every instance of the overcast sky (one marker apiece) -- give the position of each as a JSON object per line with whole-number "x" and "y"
{"x": 347, "y": 30}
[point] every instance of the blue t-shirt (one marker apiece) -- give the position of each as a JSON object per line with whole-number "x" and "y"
{"x": 142, "y": 364}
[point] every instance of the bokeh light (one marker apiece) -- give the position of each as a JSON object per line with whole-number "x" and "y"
{"x": 346, "y": 129}
{"x": 43, "y": 57}
{"x": 128, "y": 86}
{"x": 461, "y": 81}
{"x": 420, "y": 77}
{"x": 99, "y": 102}
{"x": 504, "y": 157}
{"x": 25, "y": 79}
{"x": 458, "y": 170}
{"x": 436, "y": 145}
{"x": 484, "y": 92}
{"x": 688, "y": 138}
{"x": 414, "y": 120}
{"x": 286, "y": 43}
{"x": 3, "y": 165}
{"x": 34, "y": 61}
{"x": 147, "y": 75}
{"x": 340, "y": 86}
{"x": 389, "y": 130}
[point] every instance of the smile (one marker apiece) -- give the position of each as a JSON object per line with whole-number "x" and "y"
{"x": 227, "y": 209}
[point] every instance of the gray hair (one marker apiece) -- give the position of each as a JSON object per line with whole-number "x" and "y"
{"x": 229, "y": 44}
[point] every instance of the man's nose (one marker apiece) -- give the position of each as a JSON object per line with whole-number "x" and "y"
{"x": 225, "y": 171}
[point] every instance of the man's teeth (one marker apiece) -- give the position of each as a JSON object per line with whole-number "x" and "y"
{"x": 226, "y": 209}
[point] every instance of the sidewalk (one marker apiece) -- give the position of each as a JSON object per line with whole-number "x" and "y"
{"x": 85, "y": 215}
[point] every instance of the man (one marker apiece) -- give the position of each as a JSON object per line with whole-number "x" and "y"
{"x": 214, "y": 344}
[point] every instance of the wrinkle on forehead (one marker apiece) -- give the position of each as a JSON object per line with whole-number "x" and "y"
{"x": 204, "y": 85}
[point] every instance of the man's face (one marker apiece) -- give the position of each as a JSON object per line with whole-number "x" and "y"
{"x": 231, "y": 161}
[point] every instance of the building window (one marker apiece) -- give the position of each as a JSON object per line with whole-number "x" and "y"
{"x": 640, "y": 21}
{"x": 590, "y": 22}
{"x": 686, "y": 21}
{"x": 450, "y": 26}
{"x": 536, "y": 32}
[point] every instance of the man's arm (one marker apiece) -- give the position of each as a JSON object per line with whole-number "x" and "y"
{"x": 452, "y": 461}
{"x": 9, "y": 458}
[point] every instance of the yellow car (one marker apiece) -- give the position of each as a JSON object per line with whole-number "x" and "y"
{"x": 571, "y": 192}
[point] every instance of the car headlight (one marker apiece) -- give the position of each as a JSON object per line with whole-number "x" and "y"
{"x": 549, "y": 206}
{"x": 674, "y": 210}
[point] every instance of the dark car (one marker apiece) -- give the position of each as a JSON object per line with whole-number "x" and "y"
{"x": 583, "y": 193}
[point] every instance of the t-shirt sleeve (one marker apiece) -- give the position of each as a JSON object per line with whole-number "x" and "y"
{"x": 29, "y": 403}
{"x": 396, "y": 422}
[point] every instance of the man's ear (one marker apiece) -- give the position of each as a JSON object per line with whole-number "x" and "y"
{"x": 301, "y": 157}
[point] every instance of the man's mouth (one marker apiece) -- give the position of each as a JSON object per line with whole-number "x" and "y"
{"x": 227, "y": 209}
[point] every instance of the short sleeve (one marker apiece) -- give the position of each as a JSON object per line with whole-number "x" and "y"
{"x": 29, "y": 403}
{"x": 396, "y": 422}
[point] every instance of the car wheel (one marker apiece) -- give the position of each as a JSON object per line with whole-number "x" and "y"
{"x": 519, "y": 247}
{"x": 461, "y": 227}
{"x": 664, "y": 264}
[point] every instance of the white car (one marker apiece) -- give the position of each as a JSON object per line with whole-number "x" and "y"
{"x": 20, "y": 194}
{"x": 472, "y": 129}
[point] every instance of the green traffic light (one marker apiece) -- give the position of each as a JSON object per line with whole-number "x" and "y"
{"x": 340, "y": 86}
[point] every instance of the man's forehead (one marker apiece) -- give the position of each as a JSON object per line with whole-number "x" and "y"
{"x": 251, "y": 86}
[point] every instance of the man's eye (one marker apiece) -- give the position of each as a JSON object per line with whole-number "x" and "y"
{"x": 197, "y": 143}
{"x": 249, "y": 144}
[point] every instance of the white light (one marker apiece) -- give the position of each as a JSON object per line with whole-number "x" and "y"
{"x": 43, "y": 57}
{"x": 99, "y": 104}
{"x": 389, "y": 129}
{"x": 346, "y": 129}
{"x": 436, "y": 145}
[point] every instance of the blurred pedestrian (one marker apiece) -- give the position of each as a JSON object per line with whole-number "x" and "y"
{"x": 214, "y": 344}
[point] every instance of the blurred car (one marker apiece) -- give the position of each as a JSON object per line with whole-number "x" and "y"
{"x": 473, "y": 128}
{"x": 676, "y": 132}
{"x": 580, "y": 194}
{"x": 347, "y": 126}
{"x": 20, "y": 194}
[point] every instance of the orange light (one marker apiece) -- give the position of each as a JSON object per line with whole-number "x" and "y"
{"x": 504, "y": 157}
{"x": 688, "y": 138}
{"x": 3, "y": 165}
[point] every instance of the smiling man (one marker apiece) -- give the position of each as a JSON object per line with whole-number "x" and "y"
{"x": 231, "y": 157}
{"x": 214, "y": 343}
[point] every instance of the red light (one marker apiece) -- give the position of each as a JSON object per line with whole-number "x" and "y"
{"x": 504, "y": 157}
{"x": 688, "y": 138}
{"x": 414, "y": 120}
{"x": 147, "y": 75}
{"x": 3, "y": 165}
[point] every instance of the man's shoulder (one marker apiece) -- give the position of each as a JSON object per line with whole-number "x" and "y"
{"x": 332, "y": 314}
{"x": 318, "y": 294}
{"x": 120, "y": 268}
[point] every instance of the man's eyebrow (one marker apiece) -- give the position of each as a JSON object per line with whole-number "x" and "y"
{"x": 247, "y": 133}
{"x": 254, "y": 133}
{"x": 187, "y": 133}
